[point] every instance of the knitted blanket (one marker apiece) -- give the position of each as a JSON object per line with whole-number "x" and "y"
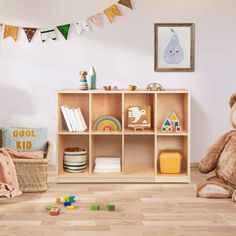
{"x": 9, "y": 186}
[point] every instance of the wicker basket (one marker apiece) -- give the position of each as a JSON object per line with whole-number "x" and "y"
{"x": 32, "y": 173}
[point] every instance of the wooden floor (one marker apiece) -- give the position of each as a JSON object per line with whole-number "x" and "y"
{"x": 142, "y": 209}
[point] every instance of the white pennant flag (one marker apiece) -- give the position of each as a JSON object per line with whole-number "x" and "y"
{"x": 82, "y": 25}
{"x": 49, "y": 33}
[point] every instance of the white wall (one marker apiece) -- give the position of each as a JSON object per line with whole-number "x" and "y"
{"x": 122, "y": 54}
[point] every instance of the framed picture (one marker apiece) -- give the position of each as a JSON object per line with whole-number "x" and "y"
{"x": 174, "y": 47}
{"x": 139, "y": 117}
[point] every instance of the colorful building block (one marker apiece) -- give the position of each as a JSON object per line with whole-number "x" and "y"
{"x": 95, "y": 208}
{"x": 110, "y": 207}
{"x": 58, "y": 200}
{"x": 72, "y": 199}
{"x": 170, "y": 129}
{"x": 50, "y": 207}
{"x": 54, "y": 212}
{"x": 164, "y": 129}
{"x": 66, "y": 198}
{"x": 70, "y": 207}
{"x": 167, "y": 122}
{"x": 178, "y": 129}
{"x": 67, "y": 204}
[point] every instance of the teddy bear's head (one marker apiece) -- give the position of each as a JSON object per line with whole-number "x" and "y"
{"x": 232, "y": 103}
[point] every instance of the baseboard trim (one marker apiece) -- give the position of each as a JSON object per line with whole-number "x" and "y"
{"x": 194, "y": 164}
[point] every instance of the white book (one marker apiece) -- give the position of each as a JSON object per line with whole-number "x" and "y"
{"x": 106, "y": 171}
{"x": 82, "y": 119}
{"x": 76, "y": 127}
{"x": 109, "y": 160}
{"x": 77, "y": 116}
{"x": 63, "y": 110}
{"x": 70, "y": 119}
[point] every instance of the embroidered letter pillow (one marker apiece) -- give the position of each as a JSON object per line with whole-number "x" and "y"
{"x": 25, "y": 139}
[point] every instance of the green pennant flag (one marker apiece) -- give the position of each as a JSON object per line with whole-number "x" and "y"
{"x": 64, "y": 30}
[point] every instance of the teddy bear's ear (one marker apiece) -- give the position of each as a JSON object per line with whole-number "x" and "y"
{"x": 232, "y": 100}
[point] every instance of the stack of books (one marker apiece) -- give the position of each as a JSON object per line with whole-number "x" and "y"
{"x": 75, "y": 160}
{"x": 74, "y": 119}
{"x": 107, "y": 165}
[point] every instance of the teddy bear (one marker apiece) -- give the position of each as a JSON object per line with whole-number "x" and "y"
{"x": 221, "y": 157}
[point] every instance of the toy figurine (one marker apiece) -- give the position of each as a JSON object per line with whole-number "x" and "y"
{"x": 91, "y": 79}
{"x": 83, "y": 80}
{"x": 154, "y": 87}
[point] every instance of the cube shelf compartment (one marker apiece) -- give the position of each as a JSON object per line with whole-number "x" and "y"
{"x": 139, "y": 150}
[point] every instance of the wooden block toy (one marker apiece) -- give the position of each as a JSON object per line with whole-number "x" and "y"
{"x": 67, "y": 204}
{"x": 178, "y": 129}
{"x": 50, "y": 207}
{"x": 54, "y": 212}
{"x": 164, "y": 129}
{"x": 58, "y": 200}
{"x": 72, "y": 199}
{"x": 70, "y": 207}
{"x": 110, "y": 207}
{"x": 174, "y": 118}
{"x": 66, "y": 198}
{"x": 95, "y": 208}
{"x": 170, "y": 129}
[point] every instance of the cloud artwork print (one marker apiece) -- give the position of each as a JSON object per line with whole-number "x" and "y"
{"x": 174, "y": 47}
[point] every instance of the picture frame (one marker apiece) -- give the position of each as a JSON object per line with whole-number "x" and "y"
{"x": 174, "y": 45}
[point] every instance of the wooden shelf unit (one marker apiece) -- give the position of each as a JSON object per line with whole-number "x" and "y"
{"x": 139, "y": 150}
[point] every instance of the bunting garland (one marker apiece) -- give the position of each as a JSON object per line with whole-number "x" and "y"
{"x": 80, "y": 26}
{"x": 111, "y": 12}
{"x": 11, "y": 31}
{"x": 64, "y": 30}
{"x": 29, "y": 32}
{"x": 96, "y": 19}
{"x": 126, "y": 3}
{"x": 49, "y": 33}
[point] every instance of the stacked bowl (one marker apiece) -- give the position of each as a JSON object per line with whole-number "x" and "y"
{"x": 75, "y": 160}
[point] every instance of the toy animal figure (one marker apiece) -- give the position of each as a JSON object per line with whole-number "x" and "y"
{"x": 221, "y": 157}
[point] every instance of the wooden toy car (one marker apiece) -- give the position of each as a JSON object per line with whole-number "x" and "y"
{"x": 154, "y": 87}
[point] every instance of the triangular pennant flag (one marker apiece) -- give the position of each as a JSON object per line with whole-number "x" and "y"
{"x": 29, "y": 33}
{"x": 64, "y": 29}
{"x": 49, "y": 33}
{"x": 126, "y": 3}
{"x": 82, "y": 25}
{"x": 11, "y": 31}
{"x": 96, "y": 19}
{"x": 111, "y": 12}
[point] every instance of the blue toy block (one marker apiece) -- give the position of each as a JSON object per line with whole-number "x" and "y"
{"x": 67, "y": 203}
{"x": 72, "y": 199}
{"x": 176, "y": 123}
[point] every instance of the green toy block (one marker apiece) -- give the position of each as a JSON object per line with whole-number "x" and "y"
{"x": 95, "y": 208}
{"x": 110, "y": 207}
{"x": 50, "y": 207}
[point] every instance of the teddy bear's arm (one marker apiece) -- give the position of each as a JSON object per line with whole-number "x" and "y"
{"x": 210, "y": 159}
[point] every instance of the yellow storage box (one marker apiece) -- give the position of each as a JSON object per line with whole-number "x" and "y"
{"x": 170, "y": 162}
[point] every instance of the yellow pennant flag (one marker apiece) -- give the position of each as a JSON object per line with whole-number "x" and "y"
{"x": 111, "y": 12}
{"x": 11, "y": 31}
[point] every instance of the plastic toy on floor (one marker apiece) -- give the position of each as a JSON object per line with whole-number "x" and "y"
{"x": 221, "y": 157}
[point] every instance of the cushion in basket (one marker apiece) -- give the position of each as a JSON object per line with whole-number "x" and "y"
{"x": 25, "y": 139}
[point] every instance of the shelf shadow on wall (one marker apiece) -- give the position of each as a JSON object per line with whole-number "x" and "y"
{"x": 198, "y": 131}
